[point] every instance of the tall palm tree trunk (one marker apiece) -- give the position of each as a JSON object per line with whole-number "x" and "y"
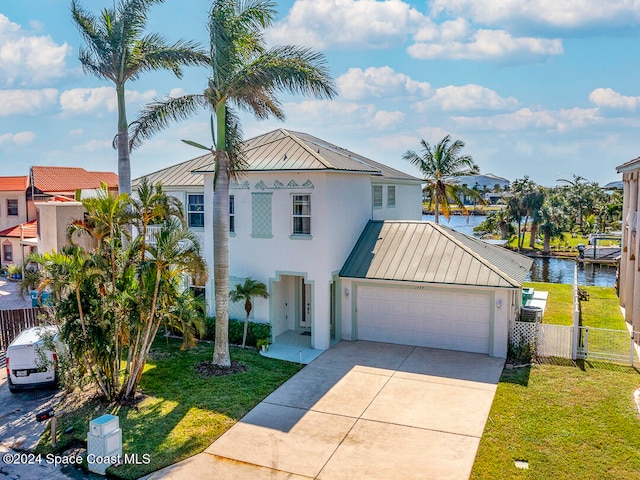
{"x": 124, "y": 164}
{"x": 221, "y": 244}
{"x": 436, "y": 211}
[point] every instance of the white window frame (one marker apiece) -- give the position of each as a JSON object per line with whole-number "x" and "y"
{"x": 374, "y": 189}
{"x": 295, "y": 216}
{"x": 391, "y": 198}
{"x": 7, "y": 247}
{"x": 17, "y": 207}
{"x": 194, "y": 212}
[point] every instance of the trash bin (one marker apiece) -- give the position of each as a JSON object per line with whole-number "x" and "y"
{"x": 46, "y": 299}
{"x": 35, "y": 301}
{"x": 527, "y": 294}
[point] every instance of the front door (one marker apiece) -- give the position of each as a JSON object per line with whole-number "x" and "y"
{"x": 305, "y": 305}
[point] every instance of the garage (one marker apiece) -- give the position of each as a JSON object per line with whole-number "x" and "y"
{"x": 424, "y": 318}
{"x": 424, "y": 284}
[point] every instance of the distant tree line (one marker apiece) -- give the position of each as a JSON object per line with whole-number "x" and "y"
{"x": 576, "y": 206}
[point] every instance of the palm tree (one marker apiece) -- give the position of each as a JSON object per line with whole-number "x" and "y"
{"x": 117, "y": 50}
{"x": 442, "y": 165}
{"x": 245, "y": 75}
{"x": 175, "y": 254}
{"x": 244, "y": 292}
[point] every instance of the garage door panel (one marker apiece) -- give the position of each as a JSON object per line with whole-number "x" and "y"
{"x": 424, "y": 317}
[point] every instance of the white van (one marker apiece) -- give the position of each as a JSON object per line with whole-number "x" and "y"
{"x": 29, "y": 362}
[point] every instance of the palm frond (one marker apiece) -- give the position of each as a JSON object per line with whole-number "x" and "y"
{"x": 158, "y": 115}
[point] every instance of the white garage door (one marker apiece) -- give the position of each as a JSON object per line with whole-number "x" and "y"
{"x": 424, "y": 317}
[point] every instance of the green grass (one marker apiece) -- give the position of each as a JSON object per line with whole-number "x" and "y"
{"x": 601, "y": 311}
{"x": 559, "y": 309}
{"x": 182, "y": 413}
{"x": 567, "y": 244}
{"x": 569, "y": 422}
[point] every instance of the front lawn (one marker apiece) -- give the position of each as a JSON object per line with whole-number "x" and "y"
{"x": 567, "y": 421}
{"x": 182, "y": 413}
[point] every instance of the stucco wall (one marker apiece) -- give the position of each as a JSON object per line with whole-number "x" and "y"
{"x": 54, "y": 219}
{"x": 7, "y": 221}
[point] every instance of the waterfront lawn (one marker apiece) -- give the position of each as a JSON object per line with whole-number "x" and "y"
{"x": 572, "y": 421}
{"x": 559, "y": 309}
{"x": 181, "y": 413}
{"x": 602, "y": 310}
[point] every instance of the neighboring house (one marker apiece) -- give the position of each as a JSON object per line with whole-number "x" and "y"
{"x": 18, "y": 242}
{"x": 629, "y": 271}
{"x": 56, "y": 192}
{"x": 296, "y": 215}
{"x": 35, "y": 210}
{"x": 66, "y": 183}
{"x": 13, "y": 212}
{"x": 13, "y": 201}
{"x": 488, "y": 185}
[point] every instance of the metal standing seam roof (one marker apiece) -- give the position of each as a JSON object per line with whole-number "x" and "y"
{"x": 281, "y": 150}
{"x": 415, "y": 251}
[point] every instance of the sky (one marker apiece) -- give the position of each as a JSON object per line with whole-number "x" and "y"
{"x": 547, "y": 89}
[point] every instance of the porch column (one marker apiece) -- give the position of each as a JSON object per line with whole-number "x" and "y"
{"x": 622, "y": 281}
{"x": 208, "y": 241}
{"x": 635, "y": 272}
{"x": 631, "y": 251}
{"x": 321, "y": 329}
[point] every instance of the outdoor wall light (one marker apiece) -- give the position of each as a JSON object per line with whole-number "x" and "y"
{"x": 498, "y": 303}
{"x": 346, "y": 292}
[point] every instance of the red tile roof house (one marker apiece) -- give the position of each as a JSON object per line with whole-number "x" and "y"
{"x": 56, "y": 192}
{"x": 14, "y": 211}
{"x": 36, "y": 209}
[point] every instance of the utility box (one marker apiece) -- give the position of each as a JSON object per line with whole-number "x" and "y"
{"x": 104, "y": 443}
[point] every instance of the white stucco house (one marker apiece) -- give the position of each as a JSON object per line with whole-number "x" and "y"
{"x": 299, "y": 220}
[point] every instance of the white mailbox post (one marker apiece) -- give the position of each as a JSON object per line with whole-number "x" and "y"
{"x": 104, "y": 443}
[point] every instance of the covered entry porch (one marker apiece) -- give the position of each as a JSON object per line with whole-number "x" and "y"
{"x": 302, "y": 317}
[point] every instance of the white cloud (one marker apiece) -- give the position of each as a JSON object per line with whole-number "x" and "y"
{"x": 528, "y": 119}
{"x": 609, "y": 98}
{"x": 26, "y": 102}
{"x": 27, "y": 59}
{"x": 95, "y": 146}
{"x": 88, "y": 100}
{"x": 565, "y": 14}
{"x": 465, "y": 44}
{"x": 20, "y": 138}
{"x": 351, "y": 24}
{"x": 77, "y": 131}
{"x": 383, "y": 120}
{"x": 379, "y": 82}
{"x": 467, "y": 97}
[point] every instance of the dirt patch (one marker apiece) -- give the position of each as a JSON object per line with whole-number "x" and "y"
{"x": 208, "y": 369}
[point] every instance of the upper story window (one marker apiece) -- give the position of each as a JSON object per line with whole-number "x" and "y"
{"x": 302, "y": 214}
{"x": 391, "y": 196}
{"x": 377, "y": 196}
{"x": 232, "y": 214}
{"x": 12, "y": 207}
{"x": 195, "y": 210}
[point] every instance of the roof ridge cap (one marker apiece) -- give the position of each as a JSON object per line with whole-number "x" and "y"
{"x": 316, "y": 155}
{"x": 487, "y": 264}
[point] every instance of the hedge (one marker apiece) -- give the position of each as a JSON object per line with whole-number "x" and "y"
{"x": 255, "y": 331}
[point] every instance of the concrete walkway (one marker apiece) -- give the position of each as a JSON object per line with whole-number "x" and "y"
{"x": 361, "y": 410}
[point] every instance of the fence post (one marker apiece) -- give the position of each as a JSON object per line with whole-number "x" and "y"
{"x": 576, "y": 315}
{"x": 632, "y": 350}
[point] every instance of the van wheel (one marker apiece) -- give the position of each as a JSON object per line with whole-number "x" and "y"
{"x": 12, "y": 389}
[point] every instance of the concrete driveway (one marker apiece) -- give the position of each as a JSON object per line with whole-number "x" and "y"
{"x": 361, "y": 410}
